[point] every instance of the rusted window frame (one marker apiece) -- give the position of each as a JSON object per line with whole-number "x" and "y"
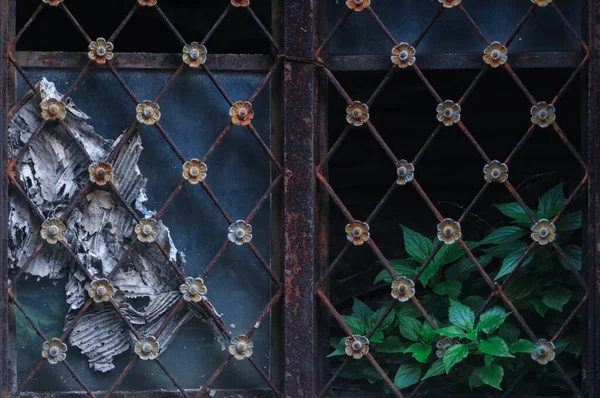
{"x": 298, "y": 24}
{"x": 15, "y": 62}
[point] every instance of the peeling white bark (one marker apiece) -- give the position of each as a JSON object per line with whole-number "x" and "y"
{"x": 100, "y": 229}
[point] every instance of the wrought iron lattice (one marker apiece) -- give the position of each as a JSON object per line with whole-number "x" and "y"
{"x": 148, "y": 110}
{"x": 405, "y": 56}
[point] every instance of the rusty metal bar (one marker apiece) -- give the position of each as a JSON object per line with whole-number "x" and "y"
{"x": 13, "y": 42}
{"x": 216, "y": 25}
{"x": 264, "y": 29}
{"x": 169, "y": 141}
{"x": 382, "y": 26}
{"x": 264, "y": 146}
{"x": 338, "y": 25}
{"x": 170, "y": 25}
{"x": 265, "y": 377}
{"x": 265, "y": 80}
{"x": 591, "y": 226}
{"x": 264, "y": 197}
{"x": 77, "y": 81}
{"x": 123, "y": 23}
{"x": 299, "y": 203}
{"x": 347, "y": 331}
{"x": 258, "y": 63}
{"x": 335, "y": 375}
{"x": 212, "y": 77}
{"x": 473, "y": 23}
{"x": 170, "y": 82}
{"x": 171, "y": 377}
{"x": 75, "y": 22}
{"x": 430, "y": 23}
{"x": 216, "y": 393}
{"x": 122, "y": 375}
{"x": 6, "y": 375}
{"x": 216, "y": 201}
{"x": 514, "y": 34}
{"x": 215, "y": 259}
{"x": 147, "y": 61}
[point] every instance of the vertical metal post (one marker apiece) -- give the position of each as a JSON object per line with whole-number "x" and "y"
{"x": 591, "y": 97}
{"x": 300, "y": 129}
{"x": 5, "y": 26}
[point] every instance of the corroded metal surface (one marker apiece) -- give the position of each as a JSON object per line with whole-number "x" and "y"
{"x": 448, "y": 114}
{"x": 301, "y": 58}
{"x": 105, "y": 168}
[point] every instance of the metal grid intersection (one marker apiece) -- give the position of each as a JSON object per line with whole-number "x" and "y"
{"x": 497, "y": 290}
{"x": 202, "y": 305}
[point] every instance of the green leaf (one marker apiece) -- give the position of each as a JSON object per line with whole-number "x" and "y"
{"x": 540, "y": 307}
{"x": 361, "y": 311}
{"x": 491, "y": 320}
{"x": 377, "y": 336}
{"x": 467, "y": 266}
{"x": 472, "y": 335}
{"x": 504, "y": 235}
{"x": 514, "y": 211}
{"x": 451, "y": 331}
{"x": 356, "y": 325}
{"x": 387, "y": 322}
{"x": 511, "y": 261}
{"x": 556, "y": 297}
{"x": 337, "y": 342}
{"x": 474, "y": 302}
{"x": 521, "y": 288}
{"x": 475, "y": 380}
{"x": 509, "y": 332}
{"x": 448, "y": 288}
{"x": 409, "y": 309}
{"x": 436, "y": 369}
{"x": 402, "y": 267}
{"x": 337, "y": 352}
{"x": 391, "y": 345}
{"x": 420, "y": 351}
{"x": 492, "y": 375}
{"x": 460, "y": 315}
{"x": 429, "y": 272}
{"x": 417, "y": 246}
{"x": 407, "y": 375}
{"x": 502, "y": 251}
{"x": 450, "y": 253}
{"x": 495, "y": 346}
{"x": 355, "y": 370}
{"x": 575, "y": 256}
{"x": 454, "y": 355}
{"x": 522, "y": 346}
{"x": 463, "y": 268}
{"x": 427, "y": 332}
{"x": 410, "y": 328}
{"x": 339, "y": 345}
{"x": 488, "y": 359}
{"x": 570, "y": 222}
{"x": 551, "y": 203}
{"x": 372, "y": 375}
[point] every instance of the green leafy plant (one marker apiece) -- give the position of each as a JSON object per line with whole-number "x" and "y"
{"x": 470, "y": 351}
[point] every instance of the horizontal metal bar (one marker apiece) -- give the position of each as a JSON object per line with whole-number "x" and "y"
{"x": 343, "y": 394}
{"x": 219, "y": 62}
{"x": 455, "y": 61}
{"x": 253, "y": 62}
{"x": 257, "y": 393}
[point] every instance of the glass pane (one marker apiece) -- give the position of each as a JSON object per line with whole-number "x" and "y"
{"x": 545, "y": 291}
{"x": 237, "y": 33}
{"x": 455, "y": 207}
{"x": 194, "y": 114}
{"x": 452, "y": 32}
